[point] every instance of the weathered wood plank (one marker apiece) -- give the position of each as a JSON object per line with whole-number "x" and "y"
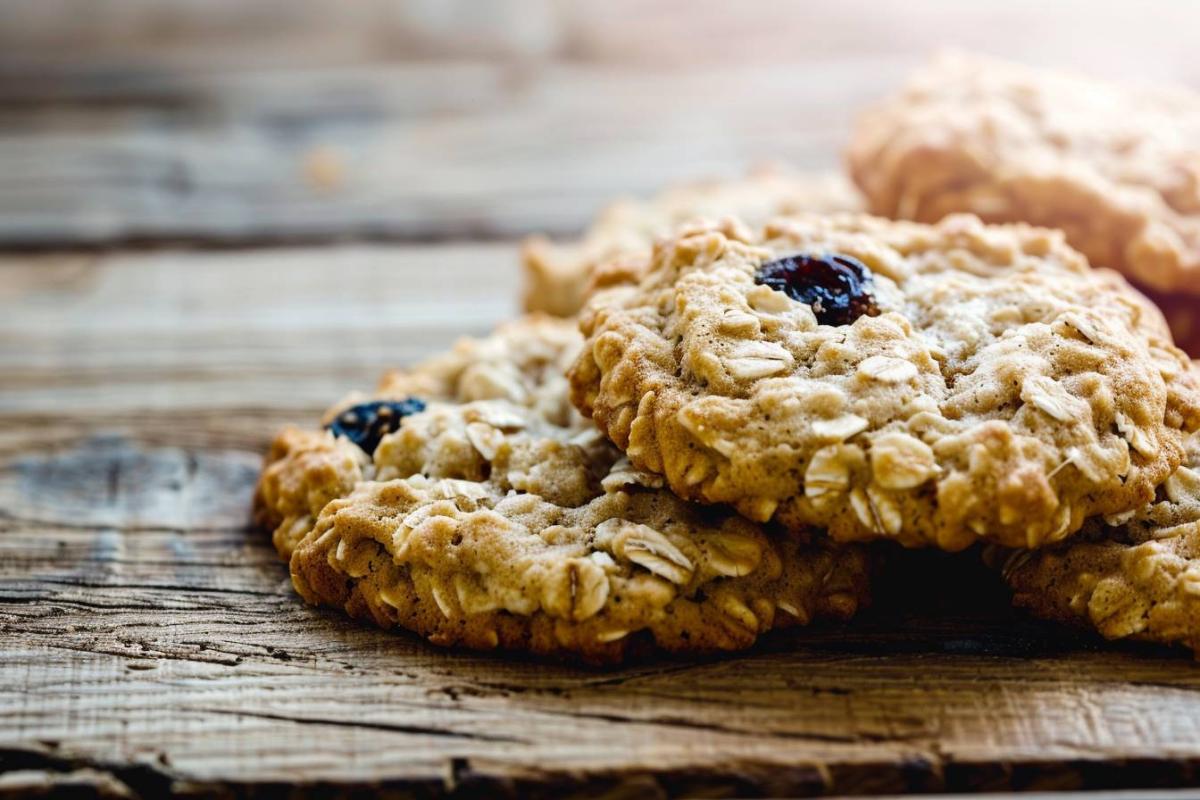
{"x": 152, "y": 644}
{"x": 209, "y": 333}
{"x": 274, "y": 120}
{"x": 540, "y": 151}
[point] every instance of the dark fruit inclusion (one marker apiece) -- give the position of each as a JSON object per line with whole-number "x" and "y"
{"x": 836, "y": 287}
{"x": 366, "y": 423}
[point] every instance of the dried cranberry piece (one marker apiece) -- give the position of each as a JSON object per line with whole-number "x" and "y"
{"x": 367, "y": 423}
{"x": 837, "y": 287}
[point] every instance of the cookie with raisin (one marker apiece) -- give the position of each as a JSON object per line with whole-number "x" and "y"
{"x": 928, "y": 384}
{"x": 481, "y": 510}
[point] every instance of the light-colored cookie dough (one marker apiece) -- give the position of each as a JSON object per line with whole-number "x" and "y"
{"x": 1136, "y": 576}
{"x": 557, "y": 274}
{"x": 1116, "y": 167}
{"x": 499, "y": 518}
{"x": 1005, "y": 391}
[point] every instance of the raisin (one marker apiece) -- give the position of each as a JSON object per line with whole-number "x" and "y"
{"x": 367, "y": 423}
{"x": 838, "y": 288}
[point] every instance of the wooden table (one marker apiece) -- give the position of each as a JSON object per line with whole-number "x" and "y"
{"x": 151, "y": 643}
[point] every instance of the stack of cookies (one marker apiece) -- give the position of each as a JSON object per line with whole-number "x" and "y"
{"x": 730, "y": 401}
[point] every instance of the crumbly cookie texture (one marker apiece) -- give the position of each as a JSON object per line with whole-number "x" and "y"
{"x": 556, "y": 275}
{"x": 1137, "y": 576}
{"x": 1116, "y": 167}
{"x": 1003, "y": 391}
{"x": 499, "y": 518}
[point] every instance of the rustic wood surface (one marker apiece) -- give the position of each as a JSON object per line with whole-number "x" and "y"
{"x": 152, "y": 643}
{"x": 303, "y": 119}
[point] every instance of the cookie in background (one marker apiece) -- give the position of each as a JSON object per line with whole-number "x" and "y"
{"x": 1116, "y": 167}
{"x": 556, "y": 274}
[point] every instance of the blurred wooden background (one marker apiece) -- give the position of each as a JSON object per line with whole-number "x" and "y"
{"x": 234, "y": 121}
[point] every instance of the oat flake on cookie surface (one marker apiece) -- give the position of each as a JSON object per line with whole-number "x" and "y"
{"x": 491, "y": 515}
{"x": 1133, "y": 576}
{"x": 1116, "y": 167}
{"x": 927, "y": 384}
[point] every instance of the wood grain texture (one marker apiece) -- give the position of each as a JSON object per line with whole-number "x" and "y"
{"x": 250, "y": 121}
{"x": 152, "y": 645}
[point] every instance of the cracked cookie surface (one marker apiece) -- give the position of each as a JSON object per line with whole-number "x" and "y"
{"x": 994, "y": 386}
{"x": 1136, "y": 576}
{"x": 1116, "y": 167}
{"x": 557, "y": 274}
{"x": 497, "y": 517}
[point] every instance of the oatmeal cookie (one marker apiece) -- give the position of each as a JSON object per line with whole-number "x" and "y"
{"x": 927, "y": 384}
{"x": 556, "y": 274}
{"x": 494, "y": 516}
{"x": 1116, "y": 167}
{"x": 1136, "y": 576}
